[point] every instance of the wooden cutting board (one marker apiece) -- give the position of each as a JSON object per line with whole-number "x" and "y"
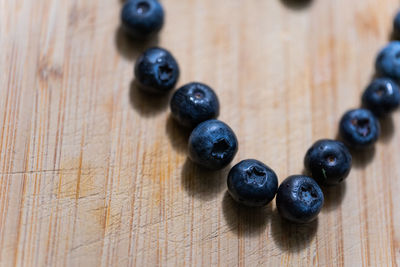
{"x": 94, "y": 173}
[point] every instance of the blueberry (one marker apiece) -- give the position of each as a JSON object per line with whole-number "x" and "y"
{"x": 212, "y": 144}
{"x": 359, "y": 128}
{"x": 156, "y": 70}
{"x": 193, "y": 104}
{"x": 396, "y": 24}
{"x": 382, "y": 96}
{"x": 299, "y": 199}
{"x": 252, "y": 183}
{"x": 388, "y": 61}
{"x": 142, "y": 19}
{"x": 328, "y": 162}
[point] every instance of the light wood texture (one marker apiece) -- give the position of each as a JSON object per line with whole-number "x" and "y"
{"x": 93, "y": 173}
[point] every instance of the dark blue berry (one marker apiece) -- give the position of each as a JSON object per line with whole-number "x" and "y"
{"x": 156, "y": 70}
{"x": 359, "y": 128}
{"x": 328, "y": 162}
{"x": 194, "y": 103}
{"x": 382, "y": 96}
{"x": 396, "y": 25}
{"x": 299, "y": 199}
{"x": 142, "y": 18}
{"x": 212, "y": 144}
{"x": 252, "y": 183}
{"x": 388, "y": 61}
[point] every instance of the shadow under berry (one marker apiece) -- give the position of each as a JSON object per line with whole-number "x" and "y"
{"x": 360, "y": 157}
{"x": 334, "y": 196}
{"x": 387, "y": 129}
{"x": 131, "y": 48}
{"x": 297, "y": 4}
{"x": 291, "y": 236}
{"x": 177, "y": 134}
{"x": 202, "y": 183}
{"x": 244, "y": 220}
{"x": 147, "y": 104}
{"x": 394, "y": 36}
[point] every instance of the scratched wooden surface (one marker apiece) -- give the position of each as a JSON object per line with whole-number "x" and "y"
{"x": 94, "y": 173}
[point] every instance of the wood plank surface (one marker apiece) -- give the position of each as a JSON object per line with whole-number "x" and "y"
{"x": 94, "y": 173}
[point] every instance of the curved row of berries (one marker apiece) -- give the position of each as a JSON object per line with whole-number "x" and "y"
{"x": 213, "y": 144}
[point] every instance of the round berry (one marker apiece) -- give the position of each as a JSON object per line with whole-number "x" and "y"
{"x": 388, "y": 61}
{"x": 328, "y": 162}
{"x": 193, "y": 104}
{"x": 142, "y": 19}
{"x": 299, "y": 199}
{"x": 252, "y": 183}
{"x": 359, "y": 128}
{"x": 156, "y": 70}
{"x": 212, "y": 144}
{"x": 382, "y": 96}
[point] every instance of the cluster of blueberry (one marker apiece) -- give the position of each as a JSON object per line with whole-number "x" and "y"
{"x": 213, "y": 144}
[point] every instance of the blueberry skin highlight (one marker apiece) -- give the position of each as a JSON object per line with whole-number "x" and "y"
{"x": 212, "y": 144}
{"x": 388, "y": 61}
{"x": 156, "y": 71}
{"x": 299, "y": 199}
{"x": 328, "y": 162}
{"x": 194, "y": 103}
{"x": 252, "y": 183}
{"x": 142, "y": 19}
{"x": 382, "y": 97}
{"x": 359, "y": 128}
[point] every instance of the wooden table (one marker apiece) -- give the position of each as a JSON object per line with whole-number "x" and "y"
{"x": 94, "y": 173}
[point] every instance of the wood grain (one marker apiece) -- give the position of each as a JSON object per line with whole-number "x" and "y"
{"x": 93, "y": 173}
